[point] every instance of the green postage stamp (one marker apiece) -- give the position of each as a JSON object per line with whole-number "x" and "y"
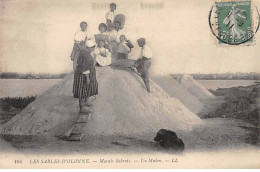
{"x": 234, "y": 22}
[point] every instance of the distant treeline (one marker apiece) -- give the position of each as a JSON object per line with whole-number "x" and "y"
{"x": 14, "y": 75}
{"x": 223, "y": 76}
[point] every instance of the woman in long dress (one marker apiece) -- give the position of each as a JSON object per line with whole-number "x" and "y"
{"x": 85, "y": 83}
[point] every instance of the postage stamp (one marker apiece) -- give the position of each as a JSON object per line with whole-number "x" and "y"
{"x": 234, "y": 22}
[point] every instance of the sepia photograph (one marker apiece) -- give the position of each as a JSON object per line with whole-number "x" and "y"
{"x": 129, "y": 84}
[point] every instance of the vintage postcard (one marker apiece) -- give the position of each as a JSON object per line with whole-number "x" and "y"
{"x": 129, "y": 84}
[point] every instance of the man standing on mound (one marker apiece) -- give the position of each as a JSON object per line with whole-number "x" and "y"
{"x": 143, "y": 63}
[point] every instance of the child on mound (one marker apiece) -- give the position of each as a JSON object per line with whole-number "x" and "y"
{"x": 103, "y": 56}
{"x": 123, "y": 50}
{"x": 103, "y": 35}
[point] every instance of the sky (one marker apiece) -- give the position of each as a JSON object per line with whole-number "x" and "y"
{"x": 36, "y": 36}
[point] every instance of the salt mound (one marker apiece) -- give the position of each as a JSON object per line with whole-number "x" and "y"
{"x": 122, "y": 107}
{"x": 6, "y": 147}
{"x": 195, "y": 88}
{"x": 176, "y": 90}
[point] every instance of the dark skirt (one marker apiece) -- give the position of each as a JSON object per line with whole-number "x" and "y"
{"x": 83, "y": 90}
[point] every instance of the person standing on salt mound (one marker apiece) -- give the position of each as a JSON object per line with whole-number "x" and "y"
{"x": 85, "y": 83}
{"x": 110, "y": 16}
{"x": 80, "y": 37}
{"x": 114, "y": 39}
{"x": 143, "y": 63}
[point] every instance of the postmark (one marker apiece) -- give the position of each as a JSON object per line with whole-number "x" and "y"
{"x": 234, "y": 22}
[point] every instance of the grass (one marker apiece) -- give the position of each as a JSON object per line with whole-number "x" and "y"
{"x": 11, "y": 106}
{"x": 8, "y": 103}
{"x": 239, "y": 102}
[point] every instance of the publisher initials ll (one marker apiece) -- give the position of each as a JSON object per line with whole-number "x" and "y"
{"x": 18, "y": 161}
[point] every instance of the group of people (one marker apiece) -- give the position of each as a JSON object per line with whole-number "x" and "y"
{"x": 101, "y": 50}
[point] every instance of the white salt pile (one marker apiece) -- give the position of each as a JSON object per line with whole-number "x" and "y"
{"x": 176, "y": 90}
{"x": 195, "y": 88}
{"x": 122, "y": 107}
